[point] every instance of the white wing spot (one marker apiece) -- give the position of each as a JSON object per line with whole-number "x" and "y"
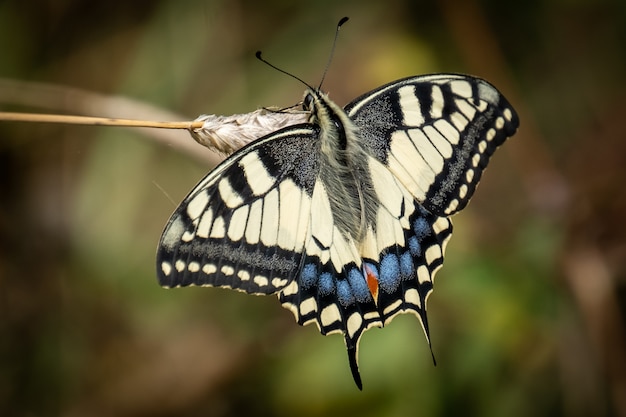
{"x": 188, "y": 236}
{"x": 261, "y": 281}
{"x": 243, "y": 275}
{"x": 467, "y": 109}
{"x": 371, "y": 315}
{"x": 259, "y": 180}
{"x": 442, "y": 223}
{"x": 342, "y": 251}
{"x": 448, "y": 131}
{"x": 289, "y": 215}
{"x": 432, "y": 254}
{"x": 209, "y": 269}
{"x": 482, "y": 106}
{"x": 321, "y": 216}
{"x": 410, "y": 106}
{"x": 499, "y": 123}
{"x": 409, "y": 166}
{"x": 389, "y": 230}
{"x": 508, "y": 115}
{"x": 166, "y": 267}
{"x": 270, "y": 220}
{"x": 482, "y": 146}
{"x": 458, "y": 121}
{"x": 452, "y": 206}
{"x": 463, "y": 191}
{"x": 428, "y": 151}
{"x": 475, "y": 160}
{"x": 237, "y": 225}
{"x": 180, "y": 265}
{"x": 279, "y": 282}
{"x": 422, "y": 274}
{"x": 392, "y": 307}
{"x": 197, "y": 205}
{"x": 412, "y": 296}
{"x": 436, "y": 108}
{"x": 354, "y": 323}
{"x": 227, "y": 270}
{"x": 387, "y": 191}
{"x": 218, "y": 231}
{"x": 330, "y": 315}
{"x": 441, "y": 143}
{"x": 290, "y": 289}
{"x": 491, "y": 133}
{"x": 469, "y": 175}
{"x": 231, "y": 197}
{"x": 461, "y": 88}
{"x": 206, "y": 221}
{"x": 308, "y": 306}
{"x": 193, "y": 267}
{"x": 253, "y": 228}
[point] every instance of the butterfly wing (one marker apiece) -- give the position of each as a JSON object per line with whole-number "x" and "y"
{"x": 435, "y": 133}
{"x": 262, "y": 222}
{"x": 245, "y": 224}
{"x": 370, "y": 282}
{"x": 428, "y": 140}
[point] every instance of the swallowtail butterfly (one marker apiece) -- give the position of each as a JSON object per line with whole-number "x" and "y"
{"x": 344, "y": 217}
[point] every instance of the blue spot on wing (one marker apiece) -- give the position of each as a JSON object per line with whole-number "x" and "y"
{"x": 326, "y": 284}
{"x": 308, "y": 276}
{"x": 344, "y": 293}
{"x": 421, "y": 227}
{"x": 359, "y": 285}
{"x": 414, "y": 246}
{"x": 406, "y": 266}
{"x": 389, "y": 273}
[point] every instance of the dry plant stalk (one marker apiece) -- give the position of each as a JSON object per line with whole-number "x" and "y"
{"x": 223, "y": 134}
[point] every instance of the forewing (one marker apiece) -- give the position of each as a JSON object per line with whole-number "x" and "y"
{"x": 435, "y": 133}
{"x": 244, "y": 225}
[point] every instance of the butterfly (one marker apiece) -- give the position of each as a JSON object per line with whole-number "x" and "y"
{"x": 345, "y": 217}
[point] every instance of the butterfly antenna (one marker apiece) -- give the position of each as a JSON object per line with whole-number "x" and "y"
{"x": 332, "y": 51}
{"x": 330, "y": 58}
{"x": 260, "y": 58}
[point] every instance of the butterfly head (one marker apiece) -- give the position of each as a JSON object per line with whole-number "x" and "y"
{"x": 311, "y": 104}
{"x": 307, "y": 102}
{"x": 321, "y": 109}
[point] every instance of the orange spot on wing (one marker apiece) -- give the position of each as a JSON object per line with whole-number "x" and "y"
{"x": 372, "y": 282}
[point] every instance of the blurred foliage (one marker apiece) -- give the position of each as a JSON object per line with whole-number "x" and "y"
{"x": 528, "y": 313}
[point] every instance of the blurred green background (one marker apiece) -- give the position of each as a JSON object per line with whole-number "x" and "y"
{"x": 527, "y": 316}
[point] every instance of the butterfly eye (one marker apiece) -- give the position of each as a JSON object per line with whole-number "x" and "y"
{"x": 307, "y": 104}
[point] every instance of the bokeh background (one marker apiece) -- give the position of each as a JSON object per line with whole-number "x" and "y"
{"x": 527, "y": 316}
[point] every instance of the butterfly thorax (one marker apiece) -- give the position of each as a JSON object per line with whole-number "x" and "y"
{"x": 343, "y": 170}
